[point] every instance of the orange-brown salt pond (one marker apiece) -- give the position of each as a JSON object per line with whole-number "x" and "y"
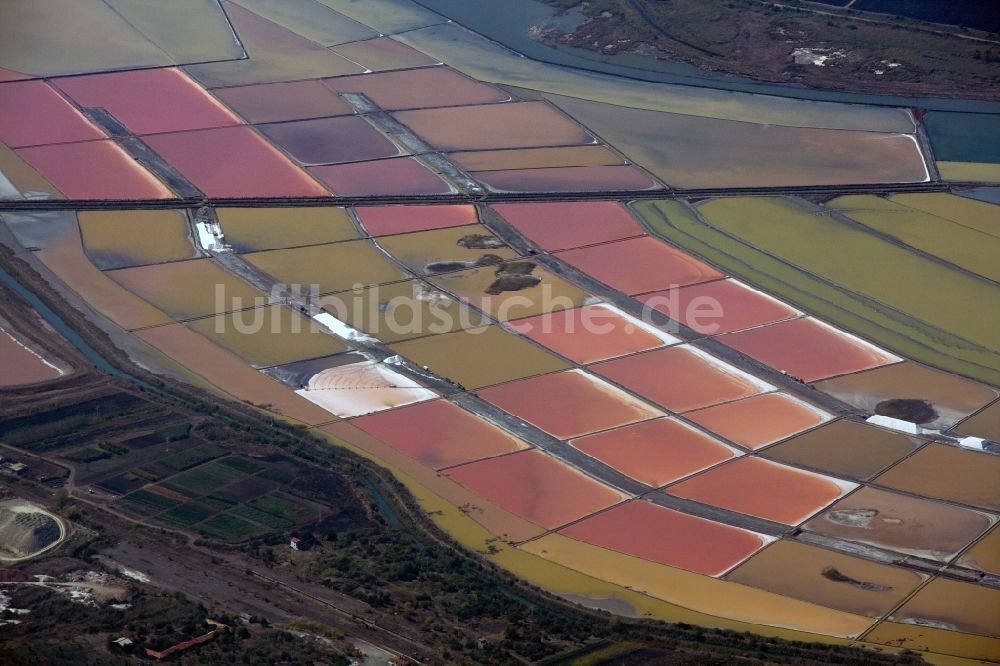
{"x": 656, "y": 452}
{"x": 681, "y": 378}
{"x": 567, "y": 224}
{"x": 568, "y": 179}
{"x": 902, "y": 523}
{"x": 640, "y": 265}
{"x": 536, "y": 487}
{"x": 569, "y": 404}
{"x": 808, "y": 349}
{"x": 760, "y": 420}
{"x": 592, "y": 333}
{"x": 662, "y": 535}
{"x": 845, "y": 448}
{"x": 762, "y": 488}
{"x": 439, "y": 434}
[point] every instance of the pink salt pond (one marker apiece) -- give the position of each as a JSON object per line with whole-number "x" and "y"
{"x": 720, "y": 306}
{"x": 762, "y": 488}
{"x": 233, "y": 162}
{"x": 760, "y": 420}
{"x": 640, "y": 265}
{"x": 399, "y": 175}
{"x": 439, "y": 434}
{"x": 536, "y": 487}
{"x": 418, "y": 88}
{"x": 389, "y": 220}
{"x": 592, "y": 333}
{"x": 662, "y": 535}
{"x": 568, "y": 404}
{"x": 149, "y": 100}
{"x": 681, "y": 378}
{"x": 32, "y": 113}
{"x": 565, "y": 224}
{"x": 808, "y": 349}
{"x": 656, "y": 452}
{"x": 568, "y": 179}
{"x": 94, "y": 170}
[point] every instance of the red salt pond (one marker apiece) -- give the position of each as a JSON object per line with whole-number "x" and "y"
{"x": 808, "y": 349}
{"x": 330, "y": 140}
{"x": 33, "y": 114}
{"x": 439, "y": 434}
{"x": 21, "y": 365}
{"x": 568, "y": 179}
{"x": 233, "y": 162}
{"x": 399, "y": 175}
{"x": 656, "y": 452}
{"x": 592, "y": 333}
{"x": 568, "y": 404}
{"x": 639, "y": 265}
{"x": 658, "y": 534}
{"x": 681, "y": 378}
{"x": 11, "y": 75}
{"x": 721, "y": 306}
{"x": 149, "y": 100}
{"x": 94, "y": 170}
{"x": 762, "y": 488}
{"x": 272, "y": 102}
{"x": 564, "y": 225}
{"x": 536, "y": 487}
{"x": 388, "y": 220}
{"x": 760, "y": 420}
{"x": 418, "y": 88}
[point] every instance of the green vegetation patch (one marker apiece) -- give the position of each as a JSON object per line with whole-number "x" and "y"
{"x": 197, "y": 482}
{"x": 152, "y": 499}
{"x": 194, "y": 456}
{"x": 284, "y": 507}
{"x": 226, "y": 527}
{"x": 187, "y": 514}
{"x": 262, "y": 517}
{"x": 241, "y": 464}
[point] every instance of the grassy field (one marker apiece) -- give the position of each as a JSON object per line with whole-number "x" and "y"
{"x": 191, "y": 457}
{"x": 891, "y": 324}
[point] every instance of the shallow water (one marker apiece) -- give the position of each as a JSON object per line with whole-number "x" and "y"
{"x": 398, "y": 175}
